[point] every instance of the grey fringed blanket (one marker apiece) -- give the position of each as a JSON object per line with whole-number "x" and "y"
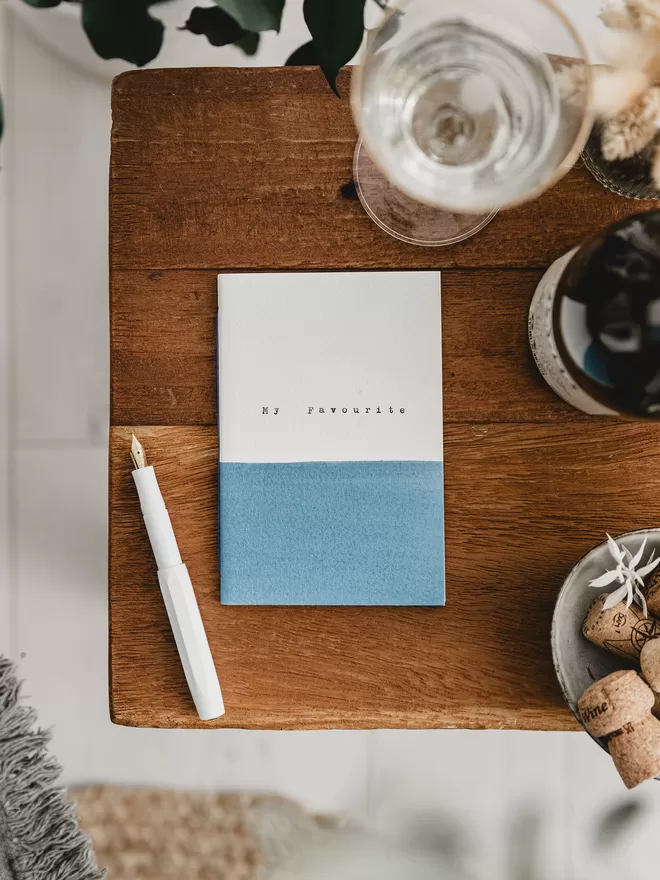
{"x": 39, "y": 834}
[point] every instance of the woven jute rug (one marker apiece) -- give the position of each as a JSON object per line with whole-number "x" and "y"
{"x": 153, "y": 834}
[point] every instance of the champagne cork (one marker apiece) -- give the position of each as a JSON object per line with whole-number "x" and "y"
{"x": 619, "y": 707}
{"x": 635, "y": 750}
{"x": 618, "y": 699}
{"x": 620, "y": 630}
{"x": 653, "y": 594}
{"x": 650, "y": 663}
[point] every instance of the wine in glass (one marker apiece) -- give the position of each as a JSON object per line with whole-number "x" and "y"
{"x": 463, "y": 107}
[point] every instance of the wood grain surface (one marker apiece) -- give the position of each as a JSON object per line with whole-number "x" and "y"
{"x": 246, "y": 169}
{"x": 220, "y": 170}
{"x": 522, "y": 506}
{"x": 164, "y": 348}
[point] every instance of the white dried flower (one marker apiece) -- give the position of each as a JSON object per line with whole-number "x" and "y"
{"x": 631, "y": 131}
{"x": 645, "y": 15}
{"x": 627, "y": 49}
{"x": 626, "y": 96}
{"x": 572, "y": 82}
{"x": 617, "y": 89}
{"x": 615, "y": 14}
{"x": 627, "y": 574}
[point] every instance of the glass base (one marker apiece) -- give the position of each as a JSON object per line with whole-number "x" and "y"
{"x": 405, "y": 218}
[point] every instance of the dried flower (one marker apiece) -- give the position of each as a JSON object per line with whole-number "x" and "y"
{"x": 627, "y": 574}
{"x": 627, "y": 49}
{"x": 626, "y": 93}
{"x": 572, "y": 82}
{"x": 631, "y": 131}
{"x": 646, "y": 15}
{"x": 615, "y": 14}
{"x": 641, "y": 15}
{"x": 615, "y": 90}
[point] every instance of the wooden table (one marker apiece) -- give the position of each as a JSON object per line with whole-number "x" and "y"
{"x": 250, "y": 169}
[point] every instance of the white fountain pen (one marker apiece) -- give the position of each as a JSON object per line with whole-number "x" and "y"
{"x": 178, "y": 593}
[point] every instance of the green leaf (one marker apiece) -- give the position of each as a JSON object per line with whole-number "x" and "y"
{"x": 304, "y": 56}
{"x": 254, "y": 15}
{"x": 219, "y": 28}
{"x": 249, "y": 43}
{"x": 336, "y": 27}
{"x": 43, "y": 4}
{"x": 122, "y": 29}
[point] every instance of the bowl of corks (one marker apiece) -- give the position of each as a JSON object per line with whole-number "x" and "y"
{"x": 606, "y": 650}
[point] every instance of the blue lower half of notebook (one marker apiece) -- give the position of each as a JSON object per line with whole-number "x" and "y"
{"x": 332, "y": 533}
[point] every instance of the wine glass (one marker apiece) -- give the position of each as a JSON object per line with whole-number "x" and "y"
{"x": 463, "y": 107}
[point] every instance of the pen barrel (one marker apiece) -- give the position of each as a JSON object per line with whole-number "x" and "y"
{"x": 156, "y": 519}
{"x": 163, "y": 542}
{"x": 191, "y": 641}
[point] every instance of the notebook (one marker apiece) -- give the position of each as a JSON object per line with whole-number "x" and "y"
{"x": 330, "y": 426}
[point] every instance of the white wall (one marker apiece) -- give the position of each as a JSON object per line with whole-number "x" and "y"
{"x": 5, "y": 66}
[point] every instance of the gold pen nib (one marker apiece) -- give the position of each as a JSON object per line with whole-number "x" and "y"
{"x": 137, "y": 453}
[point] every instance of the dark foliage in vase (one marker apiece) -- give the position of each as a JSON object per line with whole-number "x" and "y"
{"x": 128, "y": 30}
